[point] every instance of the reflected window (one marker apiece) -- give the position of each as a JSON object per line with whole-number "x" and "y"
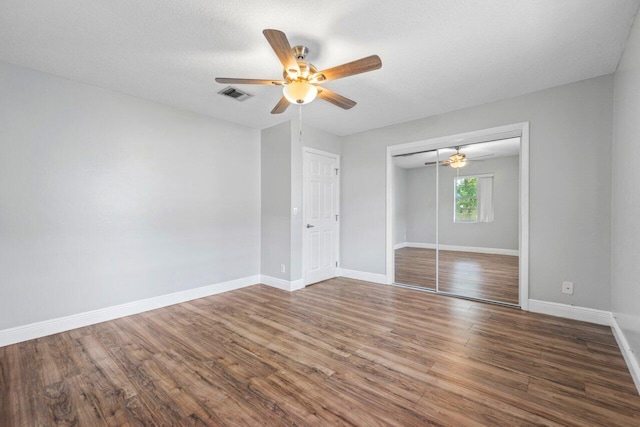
{"x": 473, "y": 198}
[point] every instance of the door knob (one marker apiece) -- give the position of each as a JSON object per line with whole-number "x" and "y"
{"x": 310, "y": 226}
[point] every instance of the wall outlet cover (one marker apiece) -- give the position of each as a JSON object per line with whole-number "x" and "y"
{"x": 567, "y": 288}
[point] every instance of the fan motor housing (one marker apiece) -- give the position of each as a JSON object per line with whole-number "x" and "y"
{"x": 306, "y": 70}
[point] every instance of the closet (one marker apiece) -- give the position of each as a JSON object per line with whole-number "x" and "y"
{"x": 456, "y": 219}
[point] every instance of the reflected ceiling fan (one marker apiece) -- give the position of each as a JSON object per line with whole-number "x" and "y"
{"x": 457, "y": 160}
{"x": 301, "y": 80}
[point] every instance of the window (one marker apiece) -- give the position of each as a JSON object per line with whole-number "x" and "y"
{"x": 473, "y": 198}
{"x": 466, "y": 199}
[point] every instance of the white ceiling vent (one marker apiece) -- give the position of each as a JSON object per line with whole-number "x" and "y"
{"x": 234, "y": 93}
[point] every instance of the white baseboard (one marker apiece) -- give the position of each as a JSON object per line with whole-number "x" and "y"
{"x": 285, "y": 285}
{"x": 61, "y": 324}
{"x": 492, "y": 251}
{"x": 474, "y": 249}
{"x": 627, "y": 352}
{"x": 419, "y": 245}
{"x": 364, "y": 275}
{"x": 584, "y": 314}
{"x": 297, "y": 284}
{"x": 400, "y": 245}
{"x": 274, "y": 282}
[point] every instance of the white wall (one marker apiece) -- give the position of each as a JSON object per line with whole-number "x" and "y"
{"x": 570, "y": 227}
{"x": 625, "y": 278}
{"x": 107, "y": 199}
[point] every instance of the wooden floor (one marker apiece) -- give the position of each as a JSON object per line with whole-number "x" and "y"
{"x": 483, "y": 276}
{"x": 342, "y": 352}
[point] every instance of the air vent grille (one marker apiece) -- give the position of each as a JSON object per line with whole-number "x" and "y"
{"x": 237, "y": 94}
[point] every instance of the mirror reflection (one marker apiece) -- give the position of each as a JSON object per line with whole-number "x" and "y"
{"x": 478, "y": 220}
{"x": 456, "y": 220}
{"x": 415, "y": 220}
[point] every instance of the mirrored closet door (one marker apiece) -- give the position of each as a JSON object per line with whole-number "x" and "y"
{"x": 478, "y": 220}
{"x": 415, "y": 217}
{"x": 457, "y": 220}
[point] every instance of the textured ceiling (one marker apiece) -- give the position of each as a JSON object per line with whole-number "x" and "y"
{"x": 437, "y": 55}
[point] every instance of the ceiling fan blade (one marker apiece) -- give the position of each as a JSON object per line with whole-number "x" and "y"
{"x": 249, "y": 81}
{"x": 415, "y": 152}
{"x": 280, "y": 45}
{"x": 281, "y": 106}
{"x": 480, "y": 157}
{"x": 430, "y": 163}
{"x": 335, "y": 99}
{"x": 363, "y": 65}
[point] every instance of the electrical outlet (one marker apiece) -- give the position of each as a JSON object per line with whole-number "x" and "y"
{"x": 283, "y": 269}
{"x": 567, "y": 288}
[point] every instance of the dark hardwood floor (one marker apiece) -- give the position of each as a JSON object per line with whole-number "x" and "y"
{"x": 416, "y": 266}
{"x": 342, "y": 352}
{"x": 483, "y": 276}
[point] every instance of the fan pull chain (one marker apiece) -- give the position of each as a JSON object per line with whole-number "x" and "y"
{"x": 300, "y": 133}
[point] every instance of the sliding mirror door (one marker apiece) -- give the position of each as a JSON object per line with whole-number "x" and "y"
{"x": 478, "y": 220}
{"x": 415, "y": 209}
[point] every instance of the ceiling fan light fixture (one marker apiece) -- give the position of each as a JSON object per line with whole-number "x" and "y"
{"x": 300, "y": 92}
{"x": 458, "y": 164}
{"x": 457, "y": 160}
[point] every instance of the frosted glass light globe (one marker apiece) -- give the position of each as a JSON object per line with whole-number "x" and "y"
{"x": 300, "y": 92}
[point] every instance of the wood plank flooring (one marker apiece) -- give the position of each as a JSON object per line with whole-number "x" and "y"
{"x": 342, "y": 352}
{"x": 483, "y": 276}
{"x": 416, "y": 266}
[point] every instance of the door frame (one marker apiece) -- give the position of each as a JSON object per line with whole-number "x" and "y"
{"x": 508, "y": 131}
{"x": 305, "y": 242}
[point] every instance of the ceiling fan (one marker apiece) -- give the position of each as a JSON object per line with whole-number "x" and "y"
{"x": 301, "y": 80}
{"x": 457, "y": 160}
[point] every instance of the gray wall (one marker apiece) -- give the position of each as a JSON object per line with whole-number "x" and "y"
{"x": 570, "y": 228}
{"x": 420, "y": 206}
{"x": 282, "y": 167}
{"x": 107, "y": 199}
{"x": 400, "y": 205}
{"x": 319, "y": 140}
{"x": 315, "y": 138}
{"x": 625, "y": 278}
{"x": 276, "y": 201}
{"x": 502, "y": 233}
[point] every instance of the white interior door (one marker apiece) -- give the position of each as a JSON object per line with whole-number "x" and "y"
{"x": 321, "y": 220}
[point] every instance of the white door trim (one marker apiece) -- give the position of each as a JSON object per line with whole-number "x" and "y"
{"x": 513, "y": 130}
{"x": 304, "y": 204}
